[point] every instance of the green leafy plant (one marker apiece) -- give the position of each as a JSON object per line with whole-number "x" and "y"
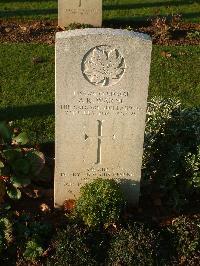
{"x": 6, "y": 233}
{"x": 32, "y": 237}
{"x": 2, "y": 191}
{"x": 136, "y": 245}
{"x": 74, "y": 26}
{"x": 193, "y": 34}
{"x": 19, "y": 165}
{"x": 33, "y": 251}
{"x": 71, "y": 247}
{"x": 101, "y": 202}
{"x": 26, "y": 229}
{"x": 192, "y": 166}
{"x": 159, "y": 113}
{"x": 185, "y": 239}
{"x": 171, "y": 151}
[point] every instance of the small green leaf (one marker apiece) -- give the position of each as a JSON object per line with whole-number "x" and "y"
{"x": 7, "y": 206}
{"x": 37, "y": 161}
{"x": 14, "y": 193}
{"x": 45, "y": 176}
{"x": 21, "y": 167}
{"x": 5, "y": 132}
{"x": 5, "y": 171}
{"x": 22, "y": 138}
{"x": 19, "y": 182}
{"x": 1, "y": 164}
{"x": 12, "y": 154}
{"x": 1, "y": 167}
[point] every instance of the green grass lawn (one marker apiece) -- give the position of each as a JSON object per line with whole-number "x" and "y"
{"x": 113, "y": 10}
{"x": 27, "y": 88}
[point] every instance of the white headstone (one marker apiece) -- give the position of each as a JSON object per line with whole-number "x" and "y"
{"x": 102, "y": 80}
{"x": 80, "y": 11}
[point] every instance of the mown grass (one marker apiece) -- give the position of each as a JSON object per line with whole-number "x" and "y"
{"x": 27, "y": 84}
{"x": 142, "y": 10}
{"x": 113, "y": 10}
{"x": 27, "y": 88}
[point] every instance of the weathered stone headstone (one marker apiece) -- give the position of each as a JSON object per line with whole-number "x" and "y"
{"x": 80, "y": 11}
{"x": 102, "y": 80}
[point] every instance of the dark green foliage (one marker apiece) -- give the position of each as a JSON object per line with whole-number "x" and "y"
{"x": 185, "y": 239}
{"x": 6, "y": 233}
{"x": 101, "y": 202}
{"x": 98, "y": 241}
{"x": 192, "y": 166}
{"x": 172, "y": 147}
{"x": 74, "y": 26}
{"x": 26, "y": 229}
{"x": 193, "y": 34}
{"x": 18, "y": 164}
{"x": 7, "y": 241}
{"x": 134, "y": 246}
{"x": 33, "y": 251}
{"x": 72, "y": 248}
{"x": 32, "y": 237}
{"x": 2, "y": 191}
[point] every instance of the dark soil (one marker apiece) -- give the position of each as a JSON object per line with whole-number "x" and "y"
{"x": 162, "y": 32}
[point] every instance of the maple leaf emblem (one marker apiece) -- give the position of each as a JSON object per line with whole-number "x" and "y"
{"x": 103, "y": 66}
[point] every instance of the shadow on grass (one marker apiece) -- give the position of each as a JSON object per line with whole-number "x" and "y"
{"x": 23, "y": 112}
{"x": 27, "y": 12}
{"x": 192, "y": 15}
{"x": 141, "y": 20}
{"x": 146, "y": 5}
{"x": 31, "y": 111}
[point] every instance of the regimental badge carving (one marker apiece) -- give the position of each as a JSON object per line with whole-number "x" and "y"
{"x": 103, "y": 66}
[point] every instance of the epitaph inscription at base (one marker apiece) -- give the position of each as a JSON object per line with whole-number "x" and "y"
{"x": 80, "y": 12}
{"x": 102, "y": 80}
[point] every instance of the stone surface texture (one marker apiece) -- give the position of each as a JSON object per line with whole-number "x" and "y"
{"x": 80, "y": 11}
{"x": 102, "y": 80}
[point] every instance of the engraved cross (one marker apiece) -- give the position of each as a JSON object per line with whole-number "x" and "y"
{"x": 99, "y": 138}
{"x": 80, "y": 2}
